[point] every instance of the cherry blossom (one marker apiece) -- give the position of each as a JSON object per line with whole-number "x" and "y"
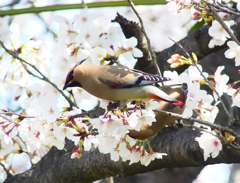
{"x": 97, "y": 54}
{"x": 235, "y": 93}
{"x": 176, "y": 60}
{"x": 20, "y": 162}
{"x": 123, "y": 150}
{"x": 5, "y": 148}
{"x": 90, "y": 141}
{"x": 195, "y": 72}
{"x": 210, "y": 144}
{"x": 115, "y": 33}
{"x": 127, "y": 46}
{"x": 3, "y": 174}
{"x": 219, "y": 35}
{"x": 208, "y": 113}
{"x": 62, "y": 131}
{"x": 89, "y": 35}
{"x": 108, "y": 124}
{"x": 134, "y": 156}
{"x": 180, "y": 6}
{"x": 221, "y": 82}
{"x": 233, "y": 52}
{"x": 4, "y": 29}
{"x": 236, "y": 99}
{"x": 136, "y": 119}
{"x": 84, "y": 19}
{"x": 48, "y": 138}
{"x": 175, "y": 79}
{"x": 107, "y": 143}
{"x": 66, "y": 31}
{"x": 152, "y": 156}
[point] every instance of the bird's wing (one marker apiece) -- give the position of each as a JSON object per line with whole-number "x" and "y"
{"x": 121, "y": 77}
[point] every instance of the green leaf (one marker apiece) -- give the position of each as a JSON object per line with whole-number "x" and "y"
{"x": 196, "y": 26}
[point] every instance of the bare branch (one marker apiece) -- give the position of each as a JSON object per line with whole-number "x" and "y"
{"x": 179, "y": 144}
{"x": 223, "y": 8}
{"x": 11, "y": 3}
{"x": 7, "y": 112}
{"x": 203, "y": 122}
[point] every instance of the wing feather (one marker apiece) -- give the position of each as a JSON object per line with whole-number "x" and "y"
{"x": 122, "y": 77}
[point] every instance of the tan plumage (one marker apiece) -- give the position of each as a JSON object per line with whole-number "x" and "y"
{"x": 117, "y": 83}
{"x": 147, "y": 131}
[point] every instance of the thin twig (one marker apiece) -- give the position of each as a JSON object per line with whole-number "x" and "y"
{"x": 203, "y": 122}
{"x": 14, "y": 2}
{"x": 219, "y": 8}
{"x": 145, "y": 34}
{"x": 7, "y": 112}
{"x": 223, "y": 24}
{"x": 198, "y": 6}
{"x": 88, "y": 113}
{"x": 4, "y": 117}
{"x": 209, "y": 84}
{"x": 43, "y": 77}
{"x": 223, "y": 8}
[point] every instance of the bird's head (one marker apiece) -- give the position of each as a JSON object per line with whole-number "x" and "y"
{"x": 71, "y": 77}
{"x": 71, "y": 81}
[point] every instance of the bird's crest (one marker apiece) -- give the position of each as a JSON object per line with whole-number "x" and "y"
{"x": 71, "y": 70}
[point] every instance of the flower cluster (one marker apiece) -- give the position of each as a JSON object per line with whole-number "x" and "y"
{"x": 220, "y": 33}
{"x": 203, "y": 104}
{"x": 113, "y": 127}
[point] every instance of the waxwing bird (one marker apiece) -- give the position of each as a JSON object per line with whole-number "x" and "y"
{"x": 147, "y": 131}
{"x": 117, "y": 83}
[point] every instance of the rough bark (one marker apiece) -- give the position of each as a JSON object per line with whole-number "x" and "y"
{"x": 179, "y": 144}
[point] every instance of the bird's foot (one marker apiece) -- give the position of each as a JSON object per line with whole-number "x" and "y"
{"x": 179, "y": 124}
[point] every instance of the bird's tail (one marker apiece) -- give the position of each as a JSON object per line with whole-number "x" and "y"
{"x": 157, "y": 94}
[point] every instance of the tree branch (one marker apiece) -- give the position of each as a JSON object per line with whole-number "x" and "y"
{"x": 179, "y": 144}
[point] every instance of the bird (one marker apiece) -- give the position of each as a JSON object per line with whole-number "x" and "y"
{"x": 117, "y": 83}
{"x": 146, "y": 131}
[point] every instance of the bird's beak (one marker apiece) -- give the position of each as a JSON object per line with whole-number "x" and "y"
{"x": 66, "y": 85}
{"x": 71, "y": 84}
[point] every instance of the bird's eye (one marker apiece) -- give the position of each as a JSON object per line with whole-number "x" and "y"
{"x": 71, "y": 76}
